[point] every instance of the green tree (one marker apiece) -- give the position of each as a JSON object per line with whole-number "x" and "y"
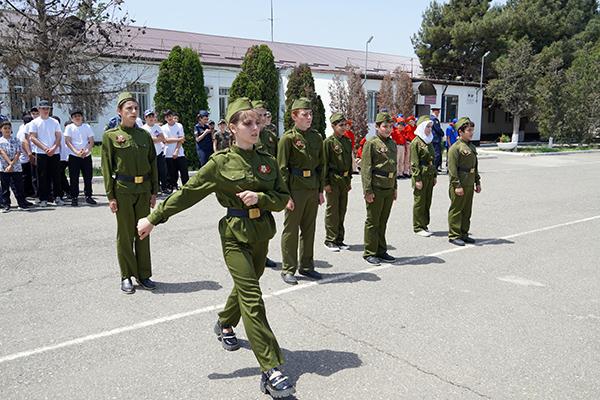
{"x": 259, "y": 79}
{"x": 357, "y": 106}
{"x": 180, "y": 88}
{"x": 514, "y": 87}
{"x": 302, "y": 84}
{"x": 551, "y": 107}
{"x": 385, "y": 97}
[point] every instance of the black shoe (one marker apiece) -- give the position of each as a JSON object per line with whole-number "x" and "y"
{"x": 127, "y": 286}
{"x": 468, "y": 240}
{"x": 312, "y": 274}
{"x": 385, "y": 257}
{"x": 166, "y": 191}
{"x": 332, "y": 246}
{"x": 24, "y": 207}
{"x": 343, "y": 246}
{"x": 74, "y": 203}
{"x": 147, "y": 284}
{"x": 91, "y": 201}
{"x": 457, "y": 242}
{"x": 227, "y": 339}
{"x": 5, "y": 209}
{"x": 275, "y": 384}
{"x": 290, "y": 279}
{"x": 270, "y": 263}
{"x": 373, "y": 260}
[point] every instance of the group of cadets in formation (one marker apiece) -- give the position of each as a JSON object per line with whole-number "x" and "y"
{"x": 259, "y": 174}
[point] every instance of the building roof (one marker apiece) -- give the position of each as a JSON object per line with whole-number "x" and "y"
{"x": 156, "y": 44}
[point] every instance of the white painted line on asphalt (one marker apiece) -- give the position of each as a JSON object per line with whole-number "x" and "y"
{"x": 156, "y": 321}
{"x": 517, "y": 280}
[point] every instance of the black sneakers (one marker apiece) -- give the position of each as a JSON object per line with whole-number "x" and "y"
{"x": 332, "y": 247}
{"x": 275, "y": 384}
{"x": 228, "y": 339}
{"x": 311, "y": 274}
{"x": 127, "y": 286}
{"x": 147, "y": 284}
{"x": 290, "y": 279}
{"x": 373, "y": 260}
{"x": 91, "y": 201}
{"x": 385, "y": 257}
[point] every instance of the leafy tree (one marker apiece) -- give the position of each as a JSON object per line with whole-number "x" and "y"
{"x": 551, "y": 107}
{"x": 180, "y": 88}
{"x": 514, "y": 87}
{"x": 60, "y": 48}
{"x": 302, "y": 84}
{"x": 338, "y": 92}
{"x": 259, "y": 79}
{"x": 357, "y": 106}
{"x": 405, "y": 98}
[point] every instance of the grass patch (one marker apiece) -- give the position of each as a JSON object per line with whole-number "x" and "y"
{"x": 96, "y": 150}
{"x": 97, "y": 171}
{"x": 546, "y": 149}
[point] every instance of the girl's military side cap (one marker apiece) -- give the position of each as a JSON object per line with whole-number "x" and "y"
{"x": 259, "y": 104}
{"x": 301, "y": 104}
{"x": 239, "y": 104}
{"x": 462, "y": 122}
{"x": 124, "y": 97}
{"x": 383, "y": 117}
{"x": 336, "y": 117}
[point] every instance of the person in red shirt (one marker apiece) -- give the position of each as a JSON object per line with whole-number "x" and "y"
{"x": 350, "y": 135}
{"x": 398, "y": 137}
{"x": 409, "y": 134}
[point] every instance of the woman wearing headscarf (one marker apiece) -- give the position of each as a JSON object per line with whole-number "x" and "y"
{"x": 424, "y": 175}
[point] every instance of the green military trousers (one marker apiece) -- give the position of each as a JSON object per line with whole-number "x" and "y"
{"x": 422, "y": 204}
{"x": 378, "y": 213}
{"x": 303, "y": 218}
{"x": 246, "y": 263}
{"x": 133, "y": 254}
{"x": 337, "y": 203}
{"x": 459, "y": 214}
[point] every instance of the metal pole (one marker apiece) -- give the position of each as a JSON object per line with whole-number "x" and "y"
{"x": 481, "y": 75}
{"x": 367, "y": 58}
{"x": 271, "y": 20}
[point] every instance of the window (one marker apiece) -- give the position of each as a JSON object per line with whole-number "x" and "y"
{"x": 507, "y": 117}
{"x": 491, "y": 115}
{"x": 86, "y": 98}
{"x": 371, "y": 106}
{"x": 223, "y": 100}
{"x": 21, "y": 99}
{"x": 449, "y": 108}
{"x": 140, "y": 92}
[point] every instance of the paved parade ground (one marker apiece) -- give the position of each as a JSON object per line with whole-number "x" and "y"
{"x": 516, "y": 316}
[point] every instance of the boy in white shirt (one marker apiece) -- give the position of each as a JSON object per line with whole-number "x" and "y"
{"x": 45, "y": 133}
{"x": 79, "y": 139}
{"x": 177, "y": 164}
{"x": 156, "y": 133}
{"x": 26, "y": 157}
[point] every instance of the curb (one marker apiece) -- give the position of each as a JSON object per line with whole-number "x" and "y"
{"x": 514, "y": 154}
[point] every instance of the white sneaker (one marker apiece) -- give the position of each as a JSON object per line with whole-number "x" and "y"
{"x": 424, "y": 233}
{"x": 59, "y": 202}
{"x": 43, "y": 203}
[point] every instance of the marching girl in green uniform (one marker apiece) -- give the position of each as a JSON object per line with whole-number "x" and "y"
{"x": 424, "y": 175}
{"x": 248, "y": 183}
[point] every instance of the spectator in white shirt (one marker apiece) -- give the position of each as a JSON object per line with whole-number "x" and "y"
{"x": 79, "y": 139}
{"x": 45, "y": 133}
{"x": 26, "y": 157}
{"x": 156, "y": 133}
{"x": 177, "y": 164}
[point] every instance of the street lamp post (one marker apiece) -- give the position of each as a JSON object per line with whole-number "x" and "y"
{"x": 367, "y": 58}
{"x": 487, "y": 53}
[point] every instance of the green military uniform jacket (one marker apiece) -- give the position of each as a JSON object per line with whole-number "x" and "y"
{"x": 227, "y": 173}
{"x": 129, "y": 152}
{"x": 462, "y": 164}
{"x": 378, "y": 158}
{"x": 422, "y": 156}
{"x": 301, "y": 153}
{"x": 337, "y": 152}
{"x": 267, "y": 141}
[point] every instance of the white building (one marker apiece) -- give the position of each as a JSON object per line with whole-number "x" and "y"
{"x": 222, "y": 57}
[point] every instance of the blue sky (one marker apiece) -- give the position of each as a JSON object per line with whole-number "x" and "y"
{"x": 343, "y": 24}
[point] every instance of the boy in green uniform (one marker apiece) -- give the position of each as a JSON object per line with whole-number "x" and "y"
{"x": 300, "y": 159}
{"x": 337, "y": 150}
{"x": 464, "y": 180}
{"x": 378, "y": 173}
{"x": 248, "y": 183}
{"x": 131, "y": 183}
{"x": 424, "y": 175}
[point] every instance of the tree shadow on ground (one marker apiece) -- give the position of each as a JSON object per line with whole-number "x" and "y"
{"x": 492, "y": 242}
{"x": 322, "y": 264}
{"x": 300, "y": 362}
{"x": 349, "y": 277}
{"x": 424, "y": 260}
{"x": 185, "y": 287}
{"x": 361, "y": 247}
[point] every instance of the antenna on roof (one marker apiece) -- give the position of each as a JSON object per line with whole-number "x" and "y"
{"x": 271, "y": 19}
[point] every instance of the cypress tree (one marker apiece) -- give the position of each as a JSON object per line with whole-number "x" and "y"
{"x": 302, "y": 84}
{"x": 180, "y": 88}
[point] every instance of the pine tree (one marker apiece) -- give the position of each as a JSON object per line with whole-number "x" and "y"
{"x": 258, "y": 80}
{"x": 357, "y": 105}
{"x": 180, "y": 88}
{"x": 385, "y": 97}
{"x": 302, "y": 84}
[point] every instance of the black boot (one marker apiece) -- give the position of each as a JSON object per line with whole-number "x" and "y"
{"x": 277, "y": 385}
{"x": 228, "y": 339}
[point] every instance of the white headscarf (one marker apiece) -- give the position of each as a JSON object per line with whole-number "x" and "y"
{"x": 420, "y": 131}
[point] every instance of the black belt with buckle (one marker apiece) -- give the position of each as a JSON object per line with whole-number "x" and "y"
{"x": 425, "y": 163}
{"x": 340, "y": 173}
{"x": 467, "y": 170}
{"x": 132, "y": 179}
{"x": 305, "y": 173}
{"x": 383, "y": 173}
{"x": 251, "y": 213}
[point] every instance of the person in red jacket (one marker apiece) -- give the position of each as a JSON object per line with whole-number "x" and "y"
{"x": 409, "y": 134}
{"x": 350, "y": 135}
{"x": 398, "y": 137}
{"x": 359, "y": 151}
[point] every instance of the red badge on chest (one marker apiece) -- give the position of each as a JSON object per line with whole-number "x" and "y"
{"x": 264, "y": 169}
{"x": 120, "y": 139}
{"x": 299, "y": 144}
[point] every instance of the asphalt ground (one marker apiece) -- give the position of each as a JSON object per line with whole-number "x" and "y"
{"x": 516, "y": 316}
